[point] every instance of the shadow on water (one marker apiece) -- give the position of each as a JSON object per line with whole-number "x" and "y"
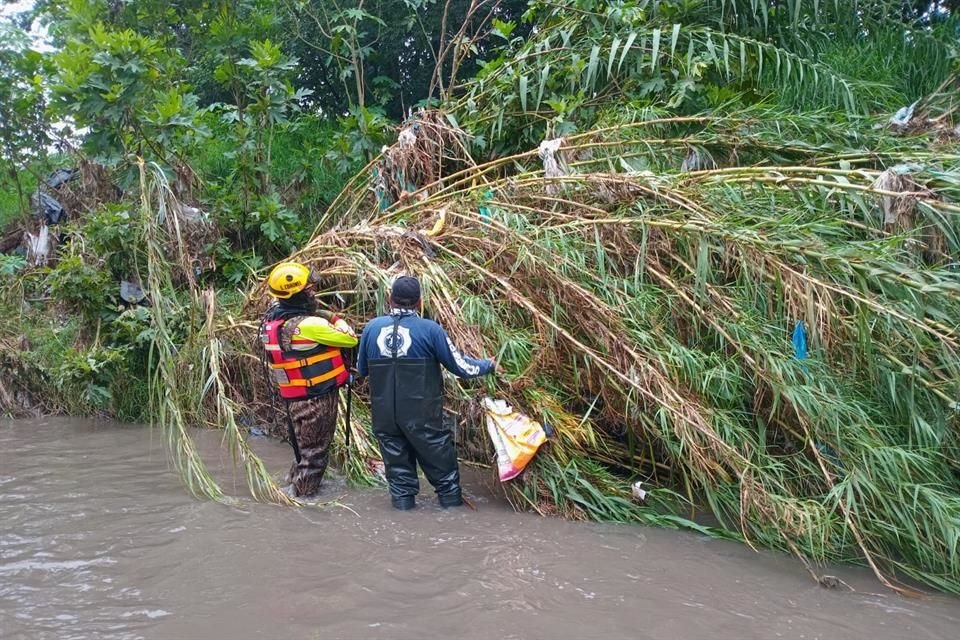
{"x": 98, "y": 540}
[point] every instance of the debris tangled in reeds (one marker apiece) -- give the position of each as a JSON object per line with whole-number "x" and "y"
{"x": 762, "y": 342}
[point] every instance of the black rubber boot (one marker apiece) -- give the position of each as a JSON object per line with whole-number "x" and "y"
{"x": 450, "y": 500}
{"x": 403, "y": 503}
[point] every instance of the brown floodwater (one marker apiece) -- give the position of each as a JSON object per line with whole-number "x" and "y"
{"x": 98, "y": 540}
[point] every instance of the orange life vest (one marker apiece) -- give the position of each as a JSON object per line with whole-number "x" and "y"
{"x": 307, "y": 370}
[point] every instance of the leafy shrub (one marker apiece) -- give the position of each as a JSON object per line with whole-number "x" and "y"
{"x": 112, "y": 236}
{"x": 83, "y": 287}
{"x": 84, "y": 377}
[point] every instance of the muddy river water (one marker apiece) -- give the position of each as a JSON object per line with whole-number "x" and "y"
{"x": 98, "y": 540}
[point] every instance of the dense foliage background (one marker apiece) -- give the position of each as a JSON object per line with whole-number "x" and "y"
{"x": 769, "y": 160}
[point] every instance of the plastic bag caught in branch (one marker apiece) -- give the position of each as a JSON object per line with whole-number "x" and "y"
{"x": 553, "y": 164}
{"x": 515, "y": 437}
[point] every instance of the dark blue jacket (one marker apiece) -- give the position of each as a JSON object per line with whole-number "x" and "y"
{"x": 417, "y": 338}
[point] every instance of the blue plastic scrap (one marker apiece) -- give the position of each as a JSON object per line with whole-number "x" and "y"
{"x": 484, "y": 209}
{"x": 800, "y": 341}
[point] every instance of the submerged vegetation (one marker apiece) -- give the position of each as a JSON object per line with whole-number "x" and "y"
{"x": 714, "y": 245}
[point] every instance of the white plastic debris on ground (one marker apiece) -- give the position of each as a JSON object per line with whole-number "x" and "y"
{"x": 38, "y": 247}
{"x": 903, "y": 117}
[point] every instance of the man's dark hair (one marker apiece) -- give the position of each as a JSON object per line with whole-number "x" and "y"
{"x": 405, "y": 293}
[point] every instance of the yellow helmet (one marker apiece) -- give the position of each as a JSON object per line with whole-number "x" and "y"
{"x": 288, "y": 279}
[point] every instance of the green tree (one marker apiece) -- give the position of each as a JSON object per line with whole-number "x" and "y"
{"x": 24, "y": 126}
{"x": 358, "y": 53}
{"x": 691, "y": 56}
{"x": 124, "y": 89}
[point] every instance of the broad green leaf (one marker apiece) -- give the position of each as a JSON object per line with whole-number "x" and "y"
{"x": 674, "y": 38}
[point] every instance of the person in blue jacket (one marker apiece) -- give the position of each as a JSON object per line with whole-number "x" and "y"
{"x": 401, "y": 354}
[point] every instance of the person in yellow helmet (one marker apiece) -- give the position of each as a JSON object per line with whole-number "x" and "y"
{"x": 305, "y": 352}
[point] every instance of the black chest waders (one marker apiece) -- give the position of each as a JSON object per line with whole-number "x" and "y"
{"x": 406, "y": 398}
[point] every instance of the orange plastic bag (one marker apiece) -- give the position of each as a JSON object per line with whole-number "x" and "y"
{"x": 515, "y": 437}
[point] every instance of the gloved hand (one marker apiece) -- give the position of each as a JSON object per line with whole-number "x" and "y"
{"x": 342, "y": 326}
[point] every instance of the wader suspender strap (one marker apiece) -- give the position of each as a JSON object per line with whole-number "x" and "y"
{"x": 292, "y": 434}
{"x": 393, "y": 358}
{"x": 393, "y": 339}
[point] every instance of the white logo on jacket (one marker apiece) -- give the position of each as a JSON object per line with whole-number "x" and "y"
{"x": 385, "y": 342}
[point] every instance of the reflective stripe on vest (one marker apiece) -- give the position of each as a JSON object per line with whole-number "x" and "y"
{"x": 308, "y": 370}
{"x": 306, "y": 362}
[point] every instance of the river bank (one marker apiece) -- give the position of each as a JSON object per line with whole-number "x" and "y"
{"x": 99, "y": 540}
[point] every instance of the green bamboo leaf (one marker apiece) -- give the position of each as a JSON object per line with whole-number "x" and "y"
{"x": 673, "y": 39}
{"x": 592, "y": 68}
{"x": 656, "y": 49}
{"x": 544, "y": 75}
{"x": 612, "y": 56}
{"x": 643, "y": 47}
{"x": 760, "y": 56}
{"x": 726, "y": 56}
{"x": 523, "y": 92}
{"x": 743, "y": 57}
{"x": 626, "y": 49}
{"x": 796, "y": 13}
